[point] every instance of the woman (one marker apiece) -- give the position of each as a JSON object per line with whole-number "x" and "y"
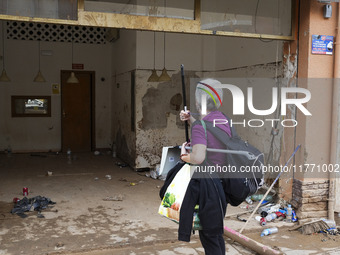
{"x": 205, "y": 189}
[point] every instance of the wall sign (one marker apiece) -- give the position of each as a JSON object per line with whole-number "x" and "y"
{"x": 322, "y": 44}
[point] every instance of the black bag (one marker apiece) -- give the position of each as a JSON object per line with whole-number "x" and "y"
{"x": 245, "y": 175}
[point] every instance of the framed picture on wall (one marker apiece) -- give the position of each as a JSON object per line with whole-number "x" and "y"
{"x": 31, "y": 106}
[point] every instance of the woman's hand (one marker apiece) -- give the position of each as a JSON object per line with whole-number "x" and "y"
{"x": 184, "y": 115}
{"x": 183, "y": 149}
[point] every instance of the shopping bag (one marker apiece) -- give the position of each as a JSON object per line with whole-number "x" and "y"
{"x": 174, "y": 195}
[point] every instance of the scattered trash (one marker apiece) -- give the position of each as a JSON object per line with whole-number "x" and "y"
{"x": 264, "y": 214}
{"x": 37, "y": 203}
{"x": 294, "y": 218}
{"x": 269, "y": 231}
{"x": 121, "y": 164}
{"x": 16, "y": 200}
{"x": 25, "y": 191}
{"x": 330, "y": 223}
{"x": 97, "y": 153}
{"x": 108, "y": 177}
{"x": 258, "y": 218}
{"x": 59, "y": 245}
{"x": 249, "y": 207}
{"x": 114, "y": 150}
{"x": 141, "y": 181}
{"x": 158, "y": 187}
{"x": 289, "y": 214}
{"x": 240, "y": 219}
{"x": 311, "y": 227}
{"x": 153, "y": 174}
{"x": 96, "y": 178}
{"x": 271, "y": 217}
{"x": 258, "y": 197}
{"x": 123, "y": 180}
{"x": 49, "y": 173}
{"x": 118, "y": 197}
{"x": 263, "y": 221}
{"x": 69, "y": 156}
{"x": 133, "y": 184}
{"x": 249, "y": 201}
{"x": 162, "y": 178}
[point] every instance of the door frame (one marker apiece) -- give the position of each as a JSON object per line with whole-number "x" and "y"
{"x": 92, "y": 102}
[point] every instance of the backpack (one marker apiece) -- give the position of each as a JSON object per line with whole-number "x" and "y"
{"x": 245, "y": 164}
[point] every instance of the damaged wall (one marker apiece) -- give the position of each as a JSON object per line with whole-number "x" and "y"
{"x": 123, "y": 91}
{"x": 157, "y": 122}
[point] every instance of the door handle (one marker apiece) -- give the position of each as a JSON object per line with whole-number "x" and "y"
{"x": 64, "y": 114}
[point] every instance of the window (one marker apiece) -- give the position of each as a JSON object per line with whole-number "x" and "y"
{"x": 31, "y": 106}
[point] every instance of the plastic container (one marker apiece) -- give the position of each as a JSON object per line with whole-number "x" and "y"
{"x": 289, "y": 214}
{"x": 271, "y": 217}
{"x": 294, "y": 218}
{"x": 269, "y": 231}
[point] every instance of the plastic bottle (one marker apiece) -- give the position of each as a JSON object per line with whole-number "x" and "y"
{"x": 69, "y": 156}
{"x": 330, "y": 223}
{"x": 258, "y": 197}
{"x": 249, "y": 201}
{"x": 271, "y": 217}
{"x": 289, "y": 213}
{"x": 114, "y": 150}
{"x": 269, "y": 231}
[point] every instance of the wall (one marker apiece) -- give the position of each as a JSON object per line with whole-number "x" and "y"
{"x": 123, "y": 64}
{"x": 44, "y": 134}
{"x": 157, "y": 122}
{"x": 315, "y": 73}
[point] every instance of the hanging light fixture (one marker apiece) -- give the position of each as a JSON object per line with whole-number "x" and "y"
{"x": 72, "y": 78}
{"x": 4, "y": 77}
{"x": 164, "y": 76}
{"x": 154, "y": 77}
{"x": 39, "y": 77}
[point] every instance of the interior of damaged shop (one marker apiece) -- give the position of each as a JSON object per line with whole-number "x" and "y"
{"x": 96, "y": 147}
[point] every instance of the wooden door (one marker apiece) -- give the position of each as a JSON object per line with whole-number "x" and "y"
{"x": 77, "y": 112}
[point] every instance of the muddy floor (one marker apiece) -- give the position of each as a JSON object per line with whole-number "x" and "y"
{"x": 102, "y": 208}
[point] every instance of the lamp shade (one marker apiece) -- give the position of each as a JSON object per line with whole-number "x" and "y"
{"x": 39, "y": 77}
{"x": 72, "y": 78}
{"x": 4, "y": 77}
{"x": 164, "y": 76}
{"x": 153, "y": 77}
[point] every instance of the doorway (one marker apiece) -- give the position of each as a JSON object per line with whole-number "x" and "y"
{"x": 77, "y": 112}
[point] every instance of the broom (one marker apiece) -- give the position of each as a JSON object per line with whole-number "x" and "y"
{"x": 312, "y": 227}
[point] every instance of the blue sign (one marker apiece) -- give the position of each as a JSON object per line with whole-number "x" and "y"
{"x": 322, "y": 44}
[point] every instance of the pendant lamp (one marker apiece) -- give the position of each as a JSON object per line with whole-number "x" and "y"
{"x": 39, "y": 77}
{"x": 164, "y": 76}
{"x": 72, "y": 78}
{"x": 154, "y": 77}
{"x": 4, "y": 77}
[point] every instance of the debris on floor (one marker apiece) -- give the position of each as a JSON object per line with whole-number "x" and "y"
{"x": 121, "y": 165}
{"x": 118, "y": 197}
{"x": 37, "y": 203}
{"x": 317, "y": 226}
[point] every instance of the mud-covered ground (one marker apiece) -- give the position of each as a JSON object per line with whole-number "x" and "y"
{"x": 87, "y": 220}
